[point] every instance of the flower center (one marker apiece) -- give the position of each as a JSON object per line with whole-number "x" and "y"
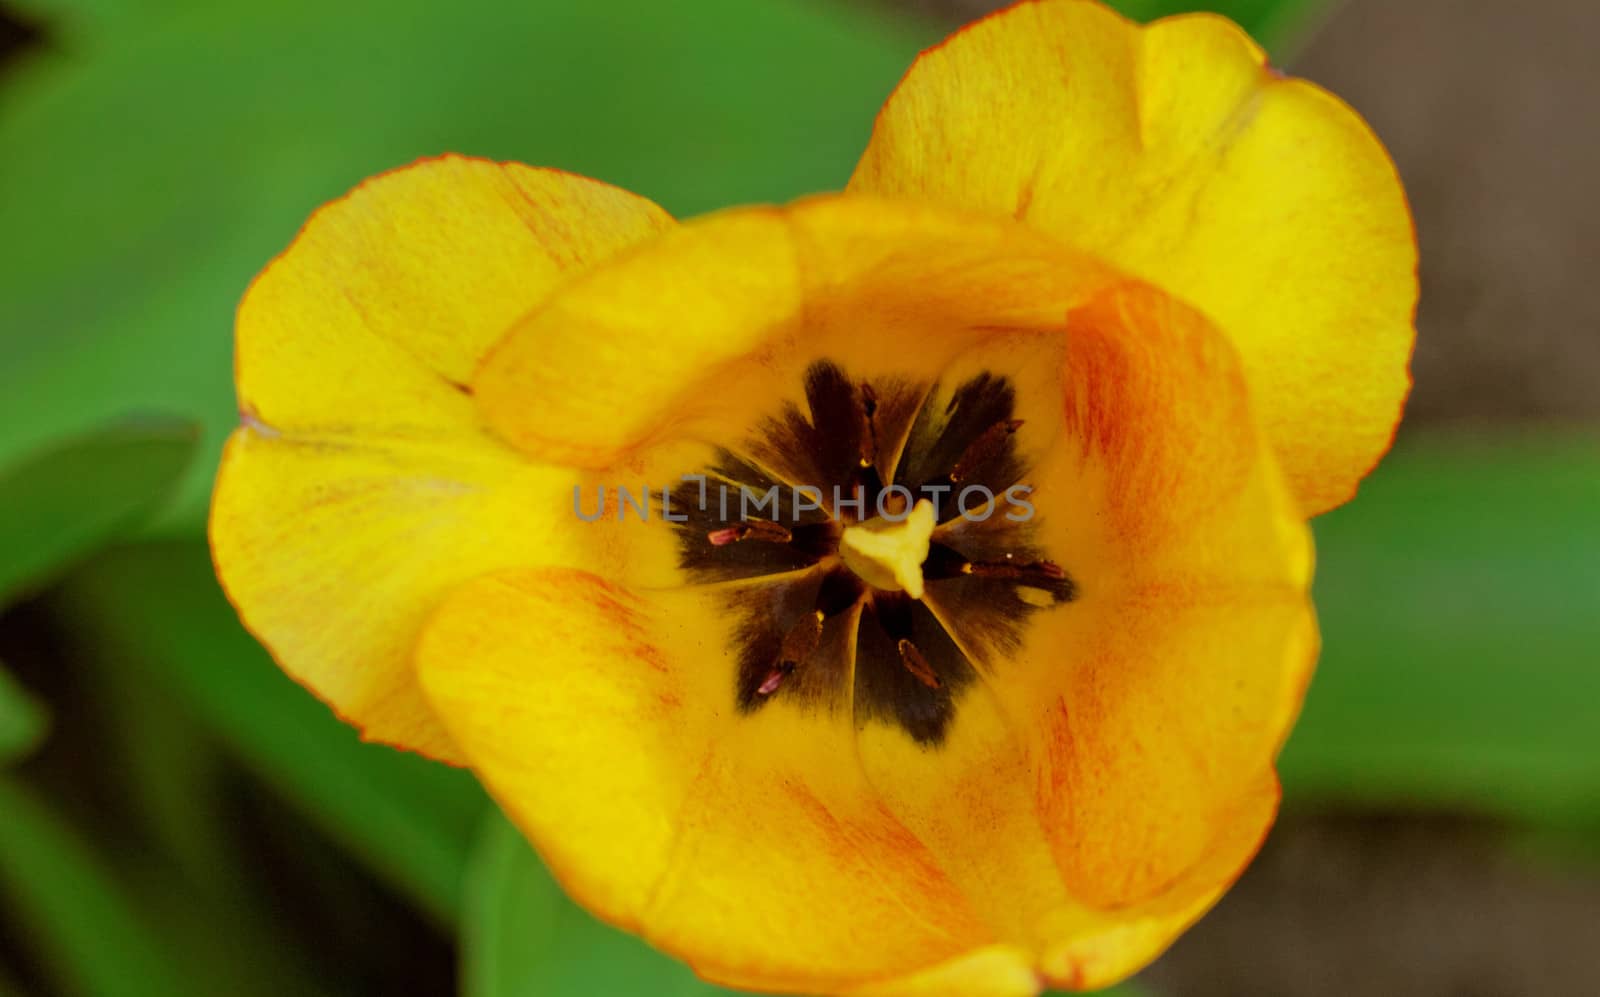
{"x": 873, "y": 548}
{"x": 888, "y": 553}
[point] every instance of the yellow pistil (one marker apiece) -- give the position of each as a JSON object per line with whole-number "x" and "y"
{"x": 888, "y": 554}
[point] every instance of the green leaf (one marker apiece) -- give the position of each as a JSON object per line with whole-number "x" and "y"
{"x": 156, "y": 608}
{"x": 144, "y": 184}
{"x": 58, "y": 505}
{"x": 1458, "y": 597}
{"x": 23, "y": 720}
{"x": 522, "y": 937}
{"x": 82, "y": 926}
{"x": 189, "y": 879}
{"x": 78, "y": 23}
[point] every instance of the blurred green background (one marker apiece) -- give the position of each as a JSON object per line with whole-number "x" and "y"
{"x": 177, "y": 818}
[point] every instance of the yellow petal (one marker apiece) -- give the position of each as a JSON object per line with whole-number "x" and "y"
{"x": 434, "y": 261}
{"x": 602, "y": 719}
{"x": 1175, "y": 153}
{"x": 335, "y": 547}
{"x": 363, "y": 483}
{"x": 699, "y": 329}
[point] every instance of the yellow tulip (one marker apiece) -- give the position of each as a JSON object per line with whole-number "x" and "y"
{"x": 987, "y": 695}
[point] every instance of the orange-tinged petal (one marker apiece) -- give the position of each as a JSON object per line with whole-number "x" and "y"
{"x": 363, "y": 485}
{"x": 1173, "y": 151}
{"x": 1193, "y": 638}
{"x": 1110, "y": 776}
